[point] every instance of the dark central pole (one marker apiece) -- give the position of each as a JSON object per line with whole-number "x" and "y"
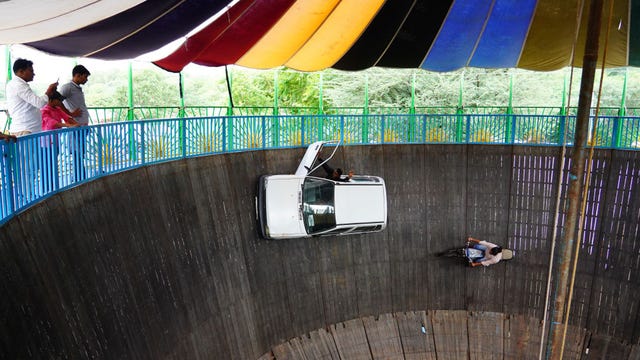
{"x": 576, "y": 176}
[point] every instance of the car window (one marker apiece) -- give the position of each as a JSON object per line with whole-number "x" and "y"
{"x": 318, "y": 205}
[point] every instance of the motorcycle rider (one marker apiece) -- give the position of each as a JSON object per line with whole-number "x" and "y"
{"x": 492, "y": 253}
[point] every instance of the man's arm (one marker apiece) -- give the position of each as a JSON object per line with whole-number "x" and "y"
{"x": 491, "y": 260}
{"x": 487, "y": 244}
{"x": 74, "y": 113}
{"x": 7, "y": 137}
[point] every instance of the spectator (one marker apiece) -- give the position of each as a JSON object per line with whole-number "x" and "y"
{"x": 75, "y": 101}
{"x": 53, "y": 117}
{"x": 23, "y": 104}
{"x": 74, "y": 97}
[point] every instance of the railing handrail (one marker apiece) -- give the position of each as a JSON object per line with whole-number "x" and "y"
{"x": 42, "y": 164}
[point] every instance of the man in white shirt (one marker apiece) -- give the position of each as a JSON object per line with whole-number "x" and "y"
{"x": 23, "y": 104}
{"x": 492, "y": 252}
{"x": 24, "y": 109}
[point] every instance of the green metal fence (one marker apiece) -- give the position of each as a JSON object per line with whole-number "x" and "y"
{"x": 112, "y": 147}
{"x": 101, "y": 115}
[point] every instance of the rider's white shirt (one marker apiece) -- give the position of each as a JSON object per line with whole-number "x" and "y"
{"x": 488, "y": 258}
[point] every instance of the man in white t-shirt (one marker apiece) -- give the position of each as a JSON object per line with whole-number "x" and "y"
{"x": 22, "y": 102}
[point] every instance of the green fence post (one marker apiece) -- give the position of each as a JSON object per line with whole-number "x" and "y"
{"x": 510, "y": 123}
{"x": 275, "y": 129}
{"x": 320, "y": 119}
{"x": 365, "y": 112}
{"x": 459, "y": 111}
{"x": 7, "y": 55}
{"x": 623, "y": 99}
{"x": 130, "y": 114}
{"x": 617, "y": 141}
{"x": 229, "y": 119}
{"x": 181, "y": 114}
{"x": 320, "y": 95}
{"x": 275, "y": 92}
{"x": 412, "y": 110}
{"x": 564, "y": 110}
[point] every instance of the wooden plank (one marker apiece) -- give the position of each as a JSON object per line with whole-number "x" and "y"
{"x": 635, "y": 352}
{"x": 319, "y": 344}
{"x": 532, "y": 204}
{"x": 267, "y": 356}
{"x": 290, "y": 350}
{"x": 303, "y": 285}
{"x": 416, "y": 332}
{"x": 445, "y": 172}
{"x": 574, "y": 342}
{"x": 450, "y": 334}
{"x": 337, "y": 279}
{"x": 486, "y": 338}
{"x": 351, "y": 340}
{"x": 384, "y": 337}
{"x": 487, "y": 218}
{"x": 614, "y": 305}
{"x": 521, "y": 337}
{"x": 408, "y": 245}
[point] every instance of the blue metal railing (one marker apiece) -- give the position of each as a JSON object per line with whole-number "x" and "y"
{"x": 39, "y": 165}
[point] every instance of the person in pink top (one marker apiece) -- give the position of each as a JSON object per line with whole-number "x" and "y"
{"x": 53, "y": 117}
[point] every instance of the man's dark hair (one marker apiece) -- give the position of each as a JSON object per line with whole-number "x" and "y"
{"x": 495, "y": 251}
{"x": 80, "y": 70}
{"x": 339, "y": 171}
{"x": 21, "y": 64}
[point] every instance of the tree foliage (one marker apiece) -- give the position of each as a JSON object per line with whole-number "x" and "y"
{"x": 374, "y": 87}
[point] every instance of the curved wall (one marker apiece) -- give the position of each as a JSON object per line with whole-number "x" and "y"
{"x": 164, "y": 261}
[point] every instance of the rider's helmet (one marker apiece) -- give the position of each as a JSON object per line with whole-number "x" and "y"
{"x": 495, "y": 251}
{"x": 507, "y": 254}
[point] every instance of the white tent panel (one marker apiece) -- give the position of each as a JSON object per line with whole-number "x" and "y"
{"x": 24, "y": 21}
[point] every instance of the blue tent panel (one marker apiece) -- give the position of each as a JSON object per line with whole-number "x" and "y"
{"x": 458, "y": 36}
{"x": 504, "y": 34}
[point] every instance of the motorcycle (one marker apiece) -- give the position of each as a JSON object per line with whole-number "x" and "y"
{"x": 471, "y": 254}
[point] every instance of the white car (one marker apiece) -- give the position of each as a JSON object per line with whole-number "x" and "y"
{"x": 299, "y": 205}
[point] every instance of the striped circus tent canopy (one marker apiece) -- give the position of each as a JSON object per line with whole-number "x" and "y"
{"x": 310, "y": 35}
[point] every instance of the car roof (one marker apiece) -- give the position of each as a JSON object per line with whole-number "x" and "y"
{"x": 359, "y": 203}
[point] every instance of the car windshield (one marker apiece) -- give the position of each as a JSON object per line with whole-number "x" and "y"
{"x": 318, "y": 205}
